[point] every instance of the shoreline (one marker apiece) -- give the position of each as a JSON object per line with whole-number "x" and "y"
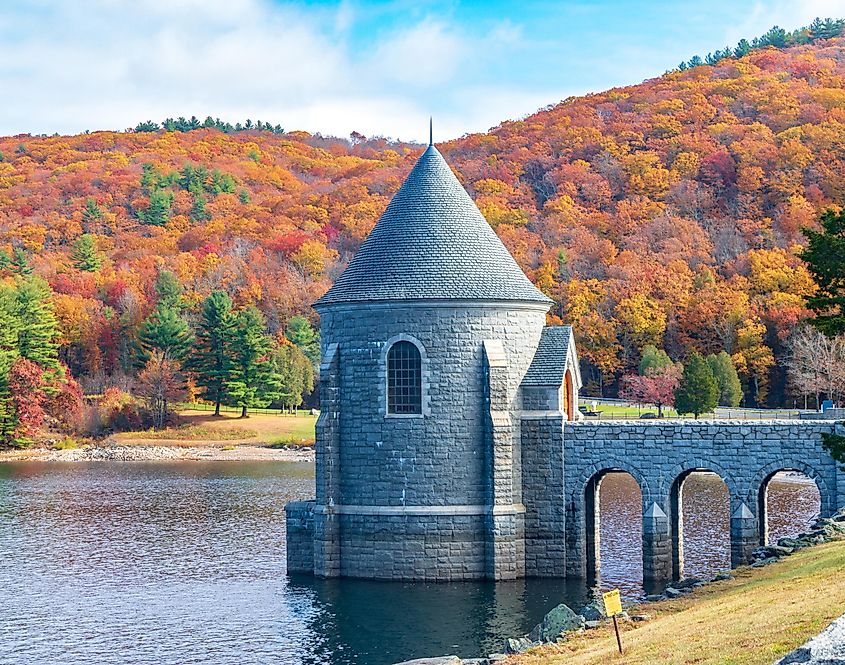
{"x": 115, "y": 452}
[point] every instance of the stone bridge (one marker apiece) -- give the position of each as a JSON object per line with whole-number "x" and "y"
{"x": 562, "y": 519}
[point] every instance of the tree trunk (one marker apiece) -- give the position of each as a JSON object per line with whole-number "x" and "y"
{"x": 217, "y": 407}
{"x": 243, "y": 412}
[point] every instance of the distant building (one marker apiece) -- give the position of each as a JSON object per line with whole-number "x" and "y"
{"x": 440, "y": 385}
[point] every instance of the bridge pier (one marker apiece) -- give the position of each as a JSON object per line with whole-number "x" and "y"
{"x": 745, "y": 535}
{"x": 657, "y": 546}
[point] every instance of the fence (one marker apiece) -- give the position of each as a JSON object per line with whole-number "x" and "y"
{"x": 202, "y": 406}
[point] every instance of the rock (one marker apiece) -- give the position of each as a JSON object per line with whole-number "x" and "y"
{"x": 589, "y": 625}
{"x": 594, "y": 611}
{"x": 793, "y": 543}
{"x": 827, "y": 648}
{"x": 671, "y": 592}
{"x": 764, "y": 562}
{"x": 655, "y": 597}
{"x": 440, "y": 660}
{"x": 640, "y": 617}
{"x": 560, "y": 620}
{"x": 686, "y": 583}
{"x": 518, "y": 645}
{"x": 769, "y": 551}
{"x": 475, "y": 661}
{"x": 497, "y": 657}
{"x": 720, "y": 577}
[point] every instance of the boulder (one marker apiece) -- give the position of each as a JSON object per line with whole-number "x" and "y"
{"x": 560, "y": 620}
{"x": 764, "y": 562}
{"x": 655, "y": 597}
{"x": 769, "y": 551}
{"x": 519, "y": 645}
{"x": 589, "y": 625}
{"x": 594, "y": 611}
{"x": 497, "y": 657}
{"x": 640, "y": 617}
{"x": 671, "y": 592}
{"x": 722, "y": 576}
{"x": 686, "y": 583}
{"x": 440, "y": 660}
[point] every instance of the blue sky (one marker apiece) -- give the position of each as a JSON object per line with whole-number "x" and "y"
{"x": 380, "y": 68}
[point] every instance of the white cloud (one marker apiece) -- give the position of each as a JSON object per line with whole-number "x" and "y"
{"x": 70, "y": 65}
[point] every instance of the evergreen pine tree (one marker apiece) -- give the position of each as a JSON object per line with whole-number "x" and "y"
{"x": 697, "y": 392}
{"x": 300, "y": 332}
{"x": 38, "y": 330}
{"x": 8, "y": 354}
{"x": 211, "y": 360}
{"x": 169, "y": 290}
{"x": 166, "y": 331}
{"x": 92, "y": 213}
{"x": 84, "y": 254}
{"x": 825, "y": 258}
{"x": 20, "y": 262}
{"x": 254, "y": 380}
{"x": 158, "y": 212}
{"x": 727, "y": 379}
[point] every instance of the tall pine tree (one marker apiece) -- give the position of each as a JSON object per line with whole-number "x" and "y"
{"x": 825, "y": 258}
{"x": 8, "y": 355}
{"x": 38, "y": 330}
{"x": 727, "y": 379}
{"x": 254, "y": 380}
{"x": 166, "y": 331}
{"x": 84, "y": 254}
{"x": 211, "y": 360}
{"x": 697, "y": 392}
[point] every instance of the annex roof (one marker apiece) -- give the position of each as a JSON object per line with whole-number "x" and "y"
{"x": 548, "y": 367}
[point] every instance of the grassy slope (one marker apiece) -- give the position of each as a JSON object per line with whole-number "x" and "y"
{"x": 752, "y": 620}
{"x": 202, "y": 428}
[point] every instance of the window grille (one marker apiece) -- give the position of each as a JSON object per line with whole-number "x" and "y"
{"x": 404, "y": 379}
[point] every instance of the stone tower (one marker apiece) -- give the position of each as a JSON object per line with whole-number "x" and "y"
{"x": 426, "y": 339}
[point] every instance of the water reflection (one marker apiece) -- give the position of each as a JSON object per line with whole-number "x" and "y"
{"x": 707, "y": 525}
{"x": 362, "y": 621}
{"x": 792, "y": 502}
{"x": 621, "y": 535}
{"x": 183, "y": 562}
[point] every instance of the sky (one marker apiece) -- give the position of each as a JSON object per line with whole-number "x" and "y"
{"x": 378, "y": 68}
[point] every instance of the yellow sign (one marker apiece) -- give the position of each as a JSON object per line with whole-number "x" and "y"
{"x": 612, "y": 603}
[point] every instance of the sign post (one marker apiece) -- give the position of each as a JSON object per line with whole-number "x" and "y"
{"x": 613, "y": 607}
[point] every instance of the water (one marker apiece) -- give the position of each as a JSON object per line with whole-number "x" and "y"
{"x": 183, "y": 562}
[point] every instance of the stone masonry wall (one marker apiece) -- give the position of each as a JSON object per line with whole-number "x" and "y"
{"x": 745, "y": 454}
{"x": 299, "y": 528}
{"x": 431, "y": 471}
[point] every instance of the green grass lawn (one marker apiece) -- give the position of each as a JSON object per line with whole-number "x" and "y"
{"x": 754, "y": 619}
{"x": 198, "y": 427}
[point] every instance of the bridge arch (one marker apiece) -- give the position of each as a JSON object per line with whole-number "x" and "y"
{"x": 587, "y": 494}
{"x": 759, "y": 487}
{"x": 676, "y": 478}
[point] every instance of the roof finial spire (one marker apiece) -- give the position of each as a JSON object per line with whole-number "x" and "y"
{"x": 430, "y": 131}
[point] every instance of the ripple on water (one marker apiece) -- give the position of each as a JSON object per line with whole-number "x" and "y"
{"x": 183, "y": 562}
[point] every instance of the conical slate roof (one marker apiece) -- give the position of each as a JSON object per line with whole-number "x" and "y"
{"x": 432, "y": 243}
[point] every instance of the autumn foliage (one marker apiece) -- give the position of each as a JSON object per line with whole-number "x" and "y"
{"x": 667, "y": 213}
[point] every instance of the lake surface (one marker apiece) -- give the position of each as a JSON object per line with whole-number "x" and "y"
{"x": 184, "y": 562}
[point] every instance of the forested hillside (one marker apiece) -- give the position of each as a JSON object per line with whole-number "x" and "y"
{"x": 667, "y": 213}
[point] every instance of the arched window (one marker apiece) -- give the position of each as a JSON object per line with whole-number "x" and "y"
{"x": 404, "y": 379}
